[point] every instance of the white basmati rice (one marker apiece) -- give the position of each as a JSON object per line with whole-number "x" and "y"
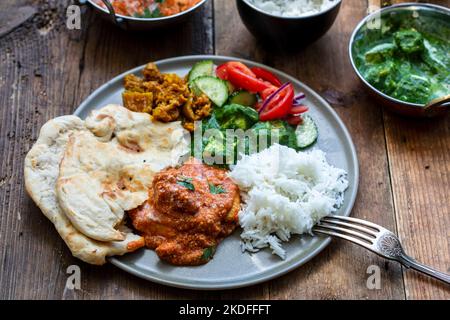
{"x": 285, "y": 192}
{"x": 292, "y": 8}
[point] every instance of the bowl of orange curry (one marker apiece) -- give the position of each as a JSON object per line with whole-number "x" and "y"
{"x": 143, "y": 15}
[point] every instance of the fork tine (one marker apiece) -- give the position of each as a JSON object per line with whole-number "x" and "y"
{"x": 355, "y": 220}
{"x": 351, "y": 225}
{"x": 346, "y": 230}
{"x": 318, "y": 229}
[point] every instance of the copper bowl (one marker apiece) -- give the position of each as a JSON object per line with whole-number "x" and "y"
{"x": 398, "y": 106}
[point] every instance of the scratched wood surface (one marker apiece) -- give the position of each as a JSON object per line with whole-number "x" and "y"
{"x": 46, "y": 70}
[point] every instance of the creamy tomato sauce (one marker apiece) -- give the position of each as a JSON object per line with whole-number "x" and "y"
{"x": 189, "y": 211}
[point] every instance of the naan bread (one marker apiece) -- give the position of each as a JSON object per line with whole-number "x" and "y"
{"x": 98, "y": 182}
{"x": 159, "y": 144}
{"x": 41, "y": 173}
{"x": 103, "y": 176}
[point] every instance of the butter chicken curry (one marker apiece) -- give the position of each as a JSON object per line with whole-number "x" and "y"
{"x": 189, "y": 211}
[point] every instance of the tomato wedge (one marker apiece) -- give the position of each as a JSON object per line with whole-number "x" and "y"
{"x": 266, "y": 93}
{"x": 294, "y": 120}
{"x": 243, "y": 77}
{"x": 266, "y": 75}
{"x": 298, "y": 110}
{"x": 278, "y": 105}
{"x": 245, "y": 81}
{"x": 241, "y": 67}
{"x": 222, "y": 71}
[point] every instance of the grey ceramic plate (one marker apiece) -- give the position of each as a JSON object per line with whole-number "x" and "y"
{"x": 230, "y": 267}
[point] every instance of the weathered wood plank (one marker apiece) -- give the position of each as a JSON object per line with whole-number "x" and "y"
{"x": 419, "y": 163}
{"x": 46, "y": 71}
{"x": 340, "y": 271}
{"x": 419, "y": 154}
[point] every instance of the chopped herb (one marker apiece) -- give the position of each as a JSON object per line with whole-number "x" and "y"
{"x": 186, "y": 182}
{"x": 208, "y": 253}
{"x": 216, "y": 189}
{"x": 149, "y": 14}
{"x": 156, "y": 13}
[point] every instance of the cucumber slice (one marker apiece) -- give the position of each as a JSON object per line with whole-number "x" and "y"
{"x": 215, "y": 88}
{"x": 231, "y": 88}
{"x": 244, "y": 98}
{"x": 307, "y": 132}
{"x": 202, "y": 68}
{"x": 194, "y": 89}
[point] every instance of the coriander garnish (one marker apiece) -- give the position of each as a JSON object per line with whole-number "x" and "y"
{"x": 186, "y": 182}
{"x": 216, "y": 189}
{"x": 208, "y": 253}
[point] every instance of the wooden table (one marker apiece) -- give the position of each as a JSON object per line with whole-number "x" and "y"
{"x": 46, "y": 70}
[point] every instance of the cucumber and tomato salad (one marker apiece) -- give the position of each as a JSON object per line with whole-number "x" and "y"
{"x": 235, "y": 83}
{"x": 277, "y": 99}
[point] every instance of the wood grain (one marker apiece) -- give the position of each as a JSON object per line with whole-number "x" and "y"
{"x": 419, "y": 167}
{"x": 419, "y": 154}
{"x": 340, "y": 271}
{"x": 47, "y": 70}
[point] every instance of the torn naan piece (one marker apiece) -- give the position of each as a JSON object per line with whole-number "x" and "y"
{"x": 97, "y": 183}
{"x": 158, "y": 144}
{"x": 103, "y": 176}
{"x": 41, "y": 172}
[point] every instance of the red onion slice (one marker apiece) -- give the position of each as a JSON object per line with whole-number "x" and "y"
{"x": 298, "y": 99}
{"x": 270, "y": 98}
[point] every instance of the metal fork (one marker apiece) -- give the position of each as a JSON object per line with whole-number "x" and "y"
{"x": 375, "y": 238}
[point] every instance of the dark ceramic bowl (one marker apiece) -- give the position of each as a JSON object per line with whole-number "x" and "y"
{"x": 143, "y": 24}
{"x": 410, "y": 10}
{"x": 286, "y": 32}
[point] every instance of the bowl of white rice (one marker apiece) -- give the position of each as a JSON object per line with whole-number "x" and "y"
{"x": 288, "y": 24}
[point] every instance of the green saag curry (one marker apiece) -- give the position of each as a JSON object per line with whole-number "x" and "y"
{"x": 407, "y": 59}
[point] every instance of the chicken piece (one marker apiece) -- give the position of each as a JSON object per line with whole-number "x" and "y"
{"x": 152, "y": 73}
{"x": 152, "y": 86}
{"x": 134, "y": 83}
{"x": 171, "y": 197}
{"x": 138, "y": 101}
{"x": 172, "y": 78}
{"x": 166, "y": 96}
{"x": 167, "y": 111}
{"x": 197, "y": 108}
{"x": 169, "y": 101}
{"x": 189, "y": 125}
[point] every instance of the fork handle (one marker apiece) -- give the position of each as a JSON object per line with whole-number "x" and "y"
{"x": 413, "y": 264}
